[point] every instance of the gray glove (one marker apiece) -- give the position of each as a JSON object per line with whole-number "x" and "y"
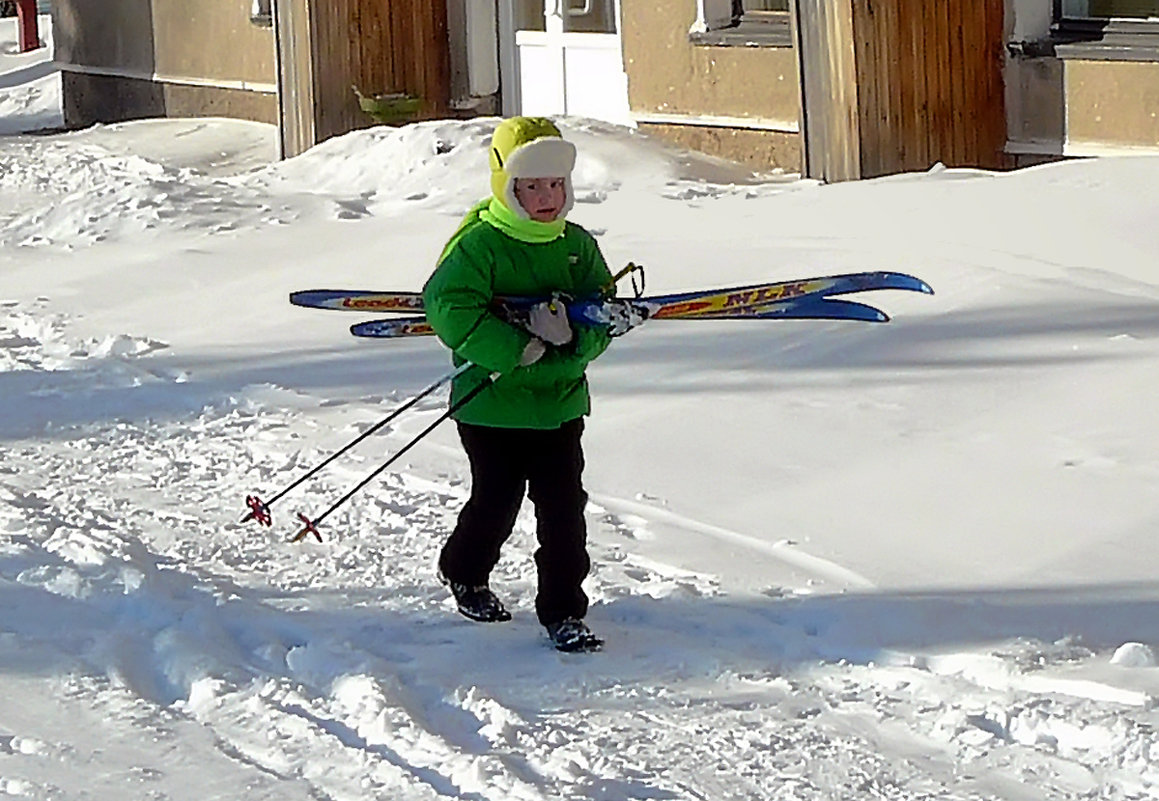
{"x": 548, "y": 321}
{"x": 533, "y": 352}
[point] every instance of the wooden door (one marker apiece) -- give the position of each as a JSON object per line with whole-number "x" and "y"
{"x": 329, "y": 47}
{"x": 930, "y": 85}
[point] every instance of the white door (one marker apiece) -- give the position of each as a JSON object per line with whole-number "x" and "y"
{"x": 563, "y": 57}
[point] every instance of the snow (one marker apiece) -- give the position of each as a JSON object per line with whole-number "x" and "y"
{"x": 831, "y": 560}
{"x": 29, "y": 84}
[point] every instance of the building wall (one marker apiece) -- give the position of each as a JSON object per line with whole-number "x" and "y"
{"x": 1075, "y": 106}
{"x": 212, "y": 39}
{"x": 92, "y": 98}
{"x": 89, "y": 33}
{"x": 144, "y": 58}
{"x": 757, "y": 149}
{"x": 741, "y": 103}
{"x": 1112, "y": 104}
{"x": 1081, "y": 107}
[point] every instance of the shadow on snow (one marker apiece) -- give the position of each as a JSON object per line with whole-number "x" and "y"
{"x": 666, "y": 357}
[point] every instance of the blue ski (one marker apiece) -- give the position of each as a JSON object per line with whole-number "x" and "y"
{"x": 815, "y": 309}
{"x": 682, "y": 305}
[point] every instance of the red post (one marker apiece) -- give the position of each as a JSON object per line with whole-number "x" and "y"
{"x": 27, "y": 23}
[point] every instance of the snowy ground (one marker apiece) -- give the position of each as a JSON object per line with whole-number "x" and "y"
{"x": 29, "y": 84}
{"x": 832, "y": 561}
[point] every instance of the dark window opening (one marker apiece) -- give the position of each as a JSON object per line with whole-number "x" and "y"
{"x": 755, "y": 23}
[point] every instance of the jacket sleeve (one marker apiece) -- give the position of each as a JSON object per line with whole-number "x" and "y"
{"x": 595, "y": 281}
{"x": 458, "y": 300}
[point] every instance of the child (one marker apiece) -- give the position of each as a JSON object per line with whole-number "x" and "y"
{"x": 522, "y": 433}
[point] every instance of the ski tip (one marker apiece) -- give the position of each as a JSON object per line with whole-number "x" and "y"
{"x": 905, "y": 281}
{"x": 874, "y": 316}
{"x": 860, "y": 312}
{"x": 838, "y": 309}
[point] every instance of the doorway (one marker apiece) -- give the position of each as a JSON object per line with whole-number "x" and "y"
{"x": 563, "y": 57}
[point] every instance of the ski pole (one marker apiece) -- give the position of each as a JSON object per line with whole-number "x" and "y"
{"x": 311, "y": 526}
{"x": 259, "y": 510}
{"x": 631, "y": 269}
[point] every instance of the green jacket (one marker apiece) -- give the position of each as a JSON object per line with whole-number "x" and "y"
{"x": 482, "y": 263}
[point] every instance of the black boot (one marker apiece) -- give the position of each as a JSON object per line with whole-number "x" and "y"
{"x": 571, "y": 634}
{"x": 477, "y": 603}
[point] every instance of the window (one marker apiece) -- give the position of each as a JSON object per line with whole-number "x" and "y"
{"x": 261, "y": 13}
{"x": 752, "y": 23}
{"x": 762, "y": 10}
{"x": 1109, "y": 30}
{"x": 1110, "y": 9}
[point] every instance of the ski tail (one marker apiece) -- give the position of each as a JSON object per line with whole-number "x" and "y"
{"x": 358, "y": 300}
{"x": 392, "y": 327}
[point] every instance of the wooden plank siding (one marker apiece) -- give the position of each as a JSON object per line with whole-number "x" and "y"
{"x": 930, "y": 85}
{"x": 870, "y": 117}
{"x": 381, "y": 47}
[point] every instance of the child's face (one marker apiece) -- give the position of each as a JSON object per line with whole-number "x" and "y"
{"x": 541, "y": 198}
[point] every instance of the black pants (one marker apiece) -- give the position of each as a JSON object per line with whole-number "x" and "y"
{"x": 548, "y": 466}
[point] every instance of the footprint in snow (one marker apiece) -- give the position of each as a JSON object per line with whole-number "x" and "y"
{"x": 629, "y": 526}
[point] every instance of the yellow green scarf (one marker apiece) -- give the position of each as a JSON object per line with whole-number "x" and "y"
{"x": 493, "y": 212}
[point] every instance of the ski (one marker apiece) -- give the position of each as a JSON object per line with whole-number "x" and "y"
{"x": 816, "y": 309}
{"x": 780, "y": 298}
{"x": 393, "y": 327}
{"x": 678, "y": 305}
{"x": 357, "y": 300}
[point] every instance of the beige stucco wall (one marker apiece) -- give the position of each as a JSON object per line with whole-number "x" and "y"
{"x": 204, "y": 40}
{"x": 1077, "y": 107}
{"x": 212, "y": 39}
{"x": 1112, "y": 103}
{"x": 669, "y": 76}
{"x": 90, "y": 33}
{"x": 148, "y": 58}
{"x": 757, "y": 149}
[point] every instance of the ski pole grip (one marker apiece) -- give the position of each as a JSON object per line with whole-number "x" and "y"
{"x": 632, "y": 267}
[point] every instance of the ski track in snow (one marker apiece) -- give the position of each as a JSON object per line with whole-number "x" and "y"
{"x": 340, "y": 671}
{"x": 780, "y": 551}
